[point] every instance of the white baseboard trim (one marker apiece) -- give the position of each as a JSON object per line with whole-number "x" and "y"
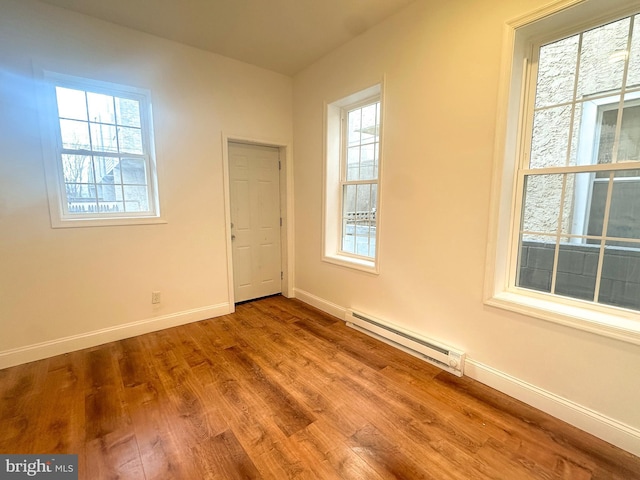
{"x": 38, "y": 351}
{"x": 324, "y": 305}
{"x": 601, "y": 426}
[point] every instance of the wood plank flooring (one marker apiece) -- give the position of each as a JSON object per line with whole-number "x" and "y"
{"x": 280, "y": 390}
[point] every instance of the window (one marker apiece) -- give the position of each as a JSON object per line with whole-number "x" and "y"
{"x": 103, "y": 169}
{"x": 567, "y": 249}
{"x": 360, "y": 178}
{"x": 352, "y": 179}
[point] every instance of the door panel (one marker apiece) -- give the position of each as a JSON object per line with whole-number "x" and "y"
{"x": 255, "y": 218}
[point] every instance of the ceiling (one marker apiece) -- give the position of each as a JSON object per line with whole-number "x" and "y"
{"x": 281, "y": 35}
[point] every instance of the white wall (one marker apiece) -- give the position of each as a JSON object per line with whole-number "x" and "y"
{"x": 441, "y": 63}
{"x": 58, "y": 287}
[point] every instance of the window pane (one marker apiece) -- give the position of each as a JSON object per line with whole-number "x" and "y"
{"x": 136, "y": 199}
{"x": 77, "y": 169}
{"x": 577, "y": 268}
{"x": 597, "y": 208}
{"x": 624, "y": 214}
{"x": 130, "y": 140}
{"x": 535, "y": 262}
{"x": 349, "y": 200}
{"x": 367, "y": 162}
{"x": 71, "y": 103}
{"x": 550, "y": 140}
{"x": 364, "y": 212}
{"x": 363, "y": 199}
{"x": 633, "y": 77}
{"x": 101, "y": 108}
{"x": 629, "y": 147}
{"x": 354, "y": 122}
{"x": 110, "y": 198}
{"x": 556, "y": 72}
{"x": 75, "y": 135}
{"x": 128, "y": 112}
{"x": 608, "y": 122}
{"x": 103, "y": 137}
{"x": 353, "y": 163}
{"x": 348, "y": 236}
{"x": 369, "y": 127}
{"x": 624, "y": 211}
{"x": 620, "y": 282}
{"x": 107, "y": 170}
{"x": 348, "y": 218}
{"x": 81, "y": 198}
{"x": 359, "y": 219}
{"x": 601, "y": 62}
{"x": 133, "y": 171}
{"x": 541, "y": 206}
{"x": 578, "y": 191}
{"x": 79, "y": 192}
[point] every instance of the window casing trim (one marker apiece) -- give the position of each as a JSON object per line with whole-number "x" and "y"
{"x": 499, "y": 291}
{"x": 333, "y": 175}
{"x": 52, "y": 149}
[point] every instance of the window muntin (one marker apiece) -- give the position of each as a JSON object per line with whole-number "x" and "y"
{"x": 359, "y": 178}
{"x": 579, "y": 213}
{"x": 104, "y": 165}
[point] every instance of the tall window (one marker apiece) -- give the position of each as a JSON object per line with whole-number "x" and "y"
{"x": 578, "y": 227}
{"x": 104, "y": 167}
{"x": 361, "y": 149}
{"x": 352, "y": 176}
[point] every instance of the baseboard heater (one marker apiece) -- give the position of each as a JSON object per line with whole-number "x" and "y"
{"x": 440, "y": 355}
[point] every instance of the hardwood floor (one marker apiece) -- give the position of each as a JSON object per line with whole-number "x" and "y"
{"x": 280, "y": 390}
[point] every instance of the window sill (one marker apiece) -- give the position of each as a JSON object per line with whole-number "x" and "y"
{"x": 363, "y": 265}
{"x": 105, "y": 222}
{"x": 605, "y": 323}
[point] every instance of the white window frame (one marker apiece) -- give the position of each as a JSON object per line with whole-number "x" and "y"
{"x": 335, "y": 179}
{"x": 53, "y": 150}
{"x": 549, "y": 23}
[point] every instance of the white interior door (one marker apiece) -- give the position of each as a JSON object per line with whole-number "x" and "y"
{"x": 254, "y": 181}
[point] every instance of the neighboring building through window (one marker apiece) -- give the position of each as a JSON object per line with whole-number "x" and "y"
{"x": 580, "y": 222}
{"x": 104, "y": 167}
{"x": 352, "y": 178}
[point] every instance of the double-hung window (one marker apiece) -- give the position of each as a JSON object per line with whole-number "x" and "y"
{"x": 573, "y": 248}
{"x": 352, "y": 176}
{"x": 359, "y": 183}
{"x": 102, "y": 169}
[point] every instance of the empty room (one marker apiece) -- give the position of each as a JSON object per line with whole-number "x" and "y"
{"x": 337, "y": 239}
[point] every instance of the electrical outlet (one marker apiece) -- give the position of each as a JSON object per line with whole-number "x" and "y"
{"x": 155, "y": 297}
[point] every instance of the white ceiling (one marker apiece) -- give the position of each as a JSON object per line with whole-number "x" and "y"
{"x": 280, "y": 35}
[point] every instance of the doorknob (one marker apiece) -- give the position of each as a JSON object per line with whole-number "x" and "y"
{"x": 233, "y": 237}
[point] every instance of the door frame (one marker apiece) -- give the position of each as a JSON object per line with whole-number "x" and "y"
{"x": 286, "y": 211}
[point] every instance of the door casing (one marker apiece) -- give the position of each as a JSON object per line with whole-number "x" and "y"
{"x": 286, "y": 211}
